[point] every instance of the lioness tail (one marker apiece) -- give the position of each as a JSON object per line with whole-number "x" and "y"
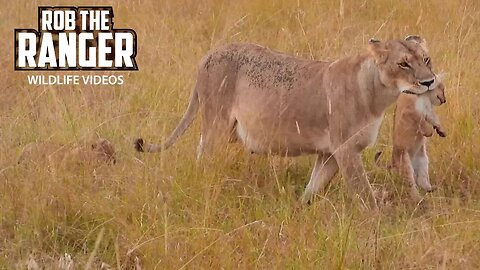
{"x": 187, "y": 119}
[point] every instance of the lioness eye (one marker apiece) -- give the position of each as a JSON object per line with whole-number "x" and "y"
{"x": 426, "y": 60}
{"x": 404, "y": 65}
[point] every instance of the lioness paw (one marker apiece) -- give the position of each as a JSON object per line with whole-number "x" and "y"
{"x": 138, "y": 144}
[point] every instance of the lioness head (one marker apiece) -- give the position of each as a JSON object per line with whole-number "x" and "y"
{"x": 404, "y": 64}
{"x": 105, "y": 149}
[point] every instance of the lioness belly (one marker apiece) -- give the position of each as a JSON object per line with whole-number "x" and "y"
{"x": 273, "y": 123}
{"x": 280, "y": 142}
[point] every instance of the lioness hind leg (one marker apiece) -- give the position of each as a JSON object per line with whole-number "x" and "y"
{"x": 324, "y": 170}
{"x": 214, "y": 133}
{"x": 216, "y": 99}
{"x": 206, "y": 144}
{"x": 200, "y": 148}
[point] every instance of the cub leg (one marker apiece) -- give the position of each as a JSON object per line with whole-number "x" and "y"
{"x": 433, "y": 119}
{"x": 324, "y": 170}
{"x": 425, "y": 128}
{"x": 420, "y": 165}
{"x": 404, "y": 167}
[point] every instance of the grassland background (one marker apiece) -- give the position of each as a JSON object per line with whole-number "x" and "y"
{"x": 241, "y": 211}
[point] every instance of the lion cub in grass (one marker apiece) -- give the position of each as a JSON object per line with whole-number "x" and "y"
{"x": 413, "y": 121}
{"x": 99, "y": 152}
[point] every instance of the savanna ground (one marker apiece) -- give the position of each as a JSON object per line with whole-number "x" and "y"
{"x": 240, "y": 210}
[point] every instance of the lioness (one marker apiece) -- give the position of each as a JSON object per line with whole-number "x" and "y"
{"x": 280, "y": 104}
{"x": 100, "y": 151}
{"x": 413, "y": 116}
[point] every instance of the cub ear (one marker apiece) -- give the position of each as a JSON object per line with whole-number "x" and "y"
{"x": 442, "y": 75}
{"x": 378, "y": 50}
{"x": 419, "y": 40}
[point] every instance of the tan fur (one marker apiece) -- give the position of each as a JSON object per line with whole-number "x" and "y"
{"x": 280, "y": 104}
{"x": 100, "y": 151}
{"x": 413, "y": 121}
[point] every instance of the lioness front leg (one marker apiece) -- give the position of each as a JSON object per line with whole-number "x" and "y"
{"x": 351, "y": 167}
{"x": 324, "y": 170}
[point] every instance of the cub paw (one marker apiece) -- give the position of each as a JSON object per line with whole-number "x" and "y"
{"x": 440, "y": 132}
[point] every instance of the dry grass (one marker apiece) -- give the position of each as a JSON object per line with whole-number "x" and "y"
{"x": 240, "y": 211}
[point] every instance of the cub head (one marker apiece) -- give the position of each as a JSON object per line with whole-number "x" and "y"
{"x": 104, "y": 148}
{"x": 437, "y": 95}
{"x": 404, "y": 65}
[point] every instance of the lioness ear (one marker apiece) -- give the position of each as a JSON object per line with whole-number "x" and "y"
{"x": 378, "y": 50}
{"x": 419, "y": 40}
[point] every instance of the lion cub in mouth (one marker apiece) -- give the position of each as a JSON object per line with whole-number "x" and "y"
{"x": 100, "y": 151}
{"x": 413, "y": 121}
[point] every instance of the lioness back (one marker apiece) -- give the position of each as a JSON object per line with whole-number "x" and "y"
{"x": 263, "y": 67}
{"x": 261, "y": 93}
